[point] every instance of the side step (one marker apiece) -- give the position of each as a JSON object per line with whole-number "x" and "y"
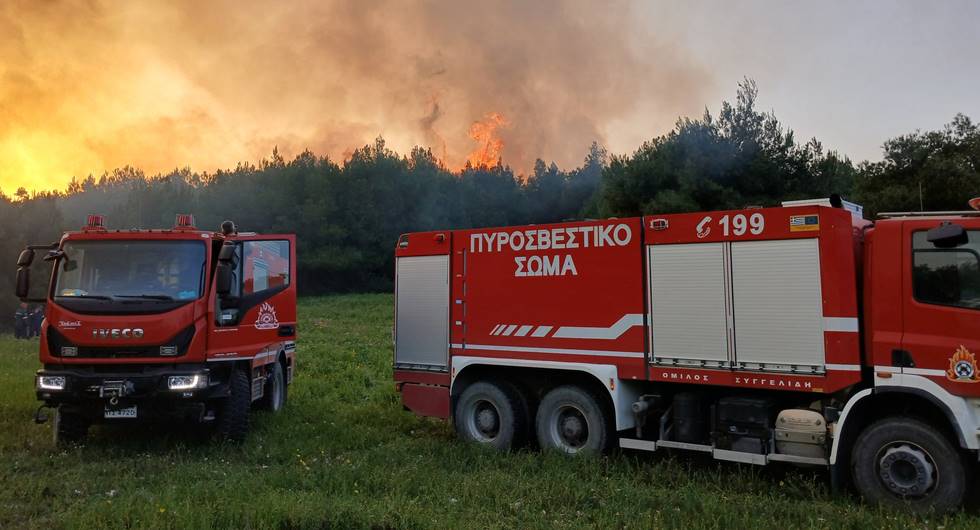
{"x": 639, "y": 445}
{"x": 721, "y": 454}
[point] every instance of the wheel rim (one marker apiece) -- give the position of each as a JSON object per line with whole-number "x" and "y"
{"x": 484, "y": 422}
{"x": 906, "y": 469}
{"x": 569, "y": 428}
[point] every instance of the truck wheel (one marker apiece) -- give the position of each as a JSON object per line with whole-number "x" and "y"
{"x": 275, "y": 390}
{"x": 69, "y": 427}
{"x": 493, "y": 414}
{"x": 901, "y": 462}
{"x": 233, "y": 411}
{"x": 572, "y": 420}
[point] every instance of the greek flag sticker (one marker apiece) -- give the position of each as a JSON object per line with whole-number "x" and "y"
{"x": 804, "y": 223}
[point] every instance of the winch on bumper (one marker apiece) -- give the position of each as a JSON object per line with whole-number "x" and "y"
{"x": 171, "y": 390}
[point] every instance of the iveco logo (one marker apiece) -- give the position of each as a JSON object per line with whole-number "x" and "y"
{"x": 117, "y": 333}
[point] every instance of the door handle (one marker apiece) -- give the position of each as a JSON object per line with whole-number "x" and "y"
{"x": 902, "y": 358}
{"x": 287, "y": 331}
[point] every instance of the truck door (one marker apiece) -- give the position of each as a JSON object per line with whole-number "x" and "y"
{"x": 690, "y": 304}
{"x": 752, "y": 305}
{"x": 422, "y": 312}
{"x": 941, "y": 307}
{"x": 260, "y": 311}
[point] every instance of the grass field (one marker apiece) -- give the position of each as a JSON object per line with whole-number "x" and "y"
{"x": 344, "y": 454}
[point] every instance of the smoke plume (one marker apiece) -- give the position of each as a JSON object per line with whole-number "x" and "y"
{"x": 90, "y": 85}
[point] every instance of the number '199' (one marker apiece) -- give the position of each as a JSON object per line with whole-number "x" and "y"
{"x": 738, "y": 224}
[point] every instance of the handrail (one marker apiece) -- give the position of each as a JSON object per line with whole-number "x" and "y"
{"x": 966, "y": 213}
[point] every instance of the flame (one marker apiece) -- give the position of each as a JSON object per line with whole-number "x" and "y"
{"x": 487, "y": 153}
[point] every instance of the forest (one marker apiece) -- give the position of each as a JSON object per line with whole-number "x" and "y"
{"x": 347, "y": 214}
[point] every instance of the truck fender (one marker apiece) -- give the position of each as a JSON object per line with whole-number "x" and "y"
{"x": 963, "y": 418}
{"x": 622, "y": 393}
{"x": 957, "y": 410}
{"x": 842, "y": 422}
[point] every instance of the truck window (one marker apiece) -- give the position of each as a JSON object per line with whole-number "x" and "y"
{"x": 131, "y": 269}
{"x": 266, "y": 266}
{"x": 946, "y": 276}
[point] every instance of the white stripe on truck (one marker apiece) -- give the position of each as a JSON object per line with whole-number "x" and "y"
{"x": 624, "y": 324}
{"x": 845, "y": 324}
{"x": 563, "y": 351}
{"x": 612, "y": 332}
{"x": 542, "y": 331}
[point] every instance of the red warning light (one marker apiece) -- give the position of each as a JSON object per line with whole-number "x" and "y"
{"x": 94, "y": 222}
{"x": 185, "y": 221}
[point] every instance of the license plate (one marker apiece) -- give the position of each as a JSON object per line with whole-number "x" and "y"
{"x": 127, "y": 412}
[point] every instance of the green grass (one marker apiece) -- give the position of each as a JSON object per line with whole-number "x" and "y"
{"x": 345, "y": 454}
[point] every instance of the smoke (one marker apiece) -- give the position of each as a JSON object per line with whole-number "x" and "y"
{"x": 90, "y": 85}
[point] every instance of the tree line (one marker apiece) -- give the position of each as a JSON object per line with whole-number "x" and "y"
{"x": 347, "y": 215}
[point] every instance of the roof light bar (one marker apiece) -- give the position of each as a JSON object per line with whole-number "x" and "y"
{"x": 184, "y": 221}
{"x": 94, "y": 222}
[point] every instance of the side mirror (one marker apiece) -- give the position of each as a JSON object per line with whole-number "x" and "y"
{"x": 223, "y": 278}
{"x": 947, "y": 235}
{"x": 26, "y": 258}
{"x": 23, "y": 287}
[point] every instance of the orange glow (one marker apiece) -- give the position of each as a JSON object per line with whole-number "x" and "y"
{"x": 490, "y": 145}
{"x": 87, "y": 86}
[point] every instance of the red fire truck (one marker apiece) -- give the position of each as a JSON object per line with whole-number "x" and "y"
{"x": 801, "y": 334}
{"x": 179, "y": 322}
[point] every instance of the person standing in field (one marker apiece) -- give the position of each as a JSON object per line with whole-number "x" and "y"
{"x": 37, "y": 316}
{"x": 21, "y": 321}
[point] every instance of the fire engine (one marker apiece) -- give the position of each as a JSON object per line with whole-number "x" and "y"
{"x": 180, "y": 323}
{"x": 800, "y": 334}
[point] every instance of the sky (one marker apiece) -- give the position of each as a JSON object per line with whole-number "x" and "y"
{"x": 91, "y": 85}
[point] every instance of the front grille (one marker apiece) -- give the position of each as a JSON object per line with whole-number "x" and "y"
{"x": 57, "y": 341}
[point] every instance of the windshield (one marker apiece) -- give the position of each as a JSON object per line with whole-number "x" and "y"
{"x": 150, "y": 270}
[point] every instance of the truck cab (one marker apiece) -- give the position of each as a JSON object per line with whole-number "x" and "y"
{"x": 911, "y": 430}
{"x": 922, "y": 301}
{"x": 178, "y": 322}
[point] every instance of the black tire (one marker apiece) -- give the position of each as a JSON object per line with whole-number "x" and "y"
{"x": 905, "y": 463}
{"x": 275, "y": 390}
{"x": 492, "y": 413}
{"x": 573, "y": 420}
{"x": 232, "y": 424}
{"x": 69, "y": 427}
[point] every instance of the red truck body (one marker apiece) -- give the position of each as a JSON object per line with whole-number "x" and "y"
{"x": 136, "y": 325}
{"x": 790, "y": 311}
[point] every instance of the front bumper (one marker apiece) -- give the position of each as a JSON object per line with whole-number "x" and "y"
{"x": 90, "y": 389}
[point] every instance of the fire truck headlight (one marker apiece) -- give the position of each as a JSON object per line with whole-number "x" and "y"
{"x": 187, "y": 382}
{"x": 51, "y": 382}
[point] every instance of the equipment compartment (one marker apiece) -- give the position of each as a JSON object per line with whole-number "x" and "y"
{"x": 742, "y": 424}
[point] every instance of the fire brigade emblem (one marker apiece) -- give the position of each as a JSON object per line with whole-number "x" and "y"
{"x": 963, "y": 366}
{"x": 267, "y": 317}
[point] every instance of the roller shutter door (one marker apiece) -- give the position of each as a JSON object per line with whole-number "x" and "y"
{"x": 778, "y": 306}
{"x": 422, "y": 312}
{"x": 689, "y": 310}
